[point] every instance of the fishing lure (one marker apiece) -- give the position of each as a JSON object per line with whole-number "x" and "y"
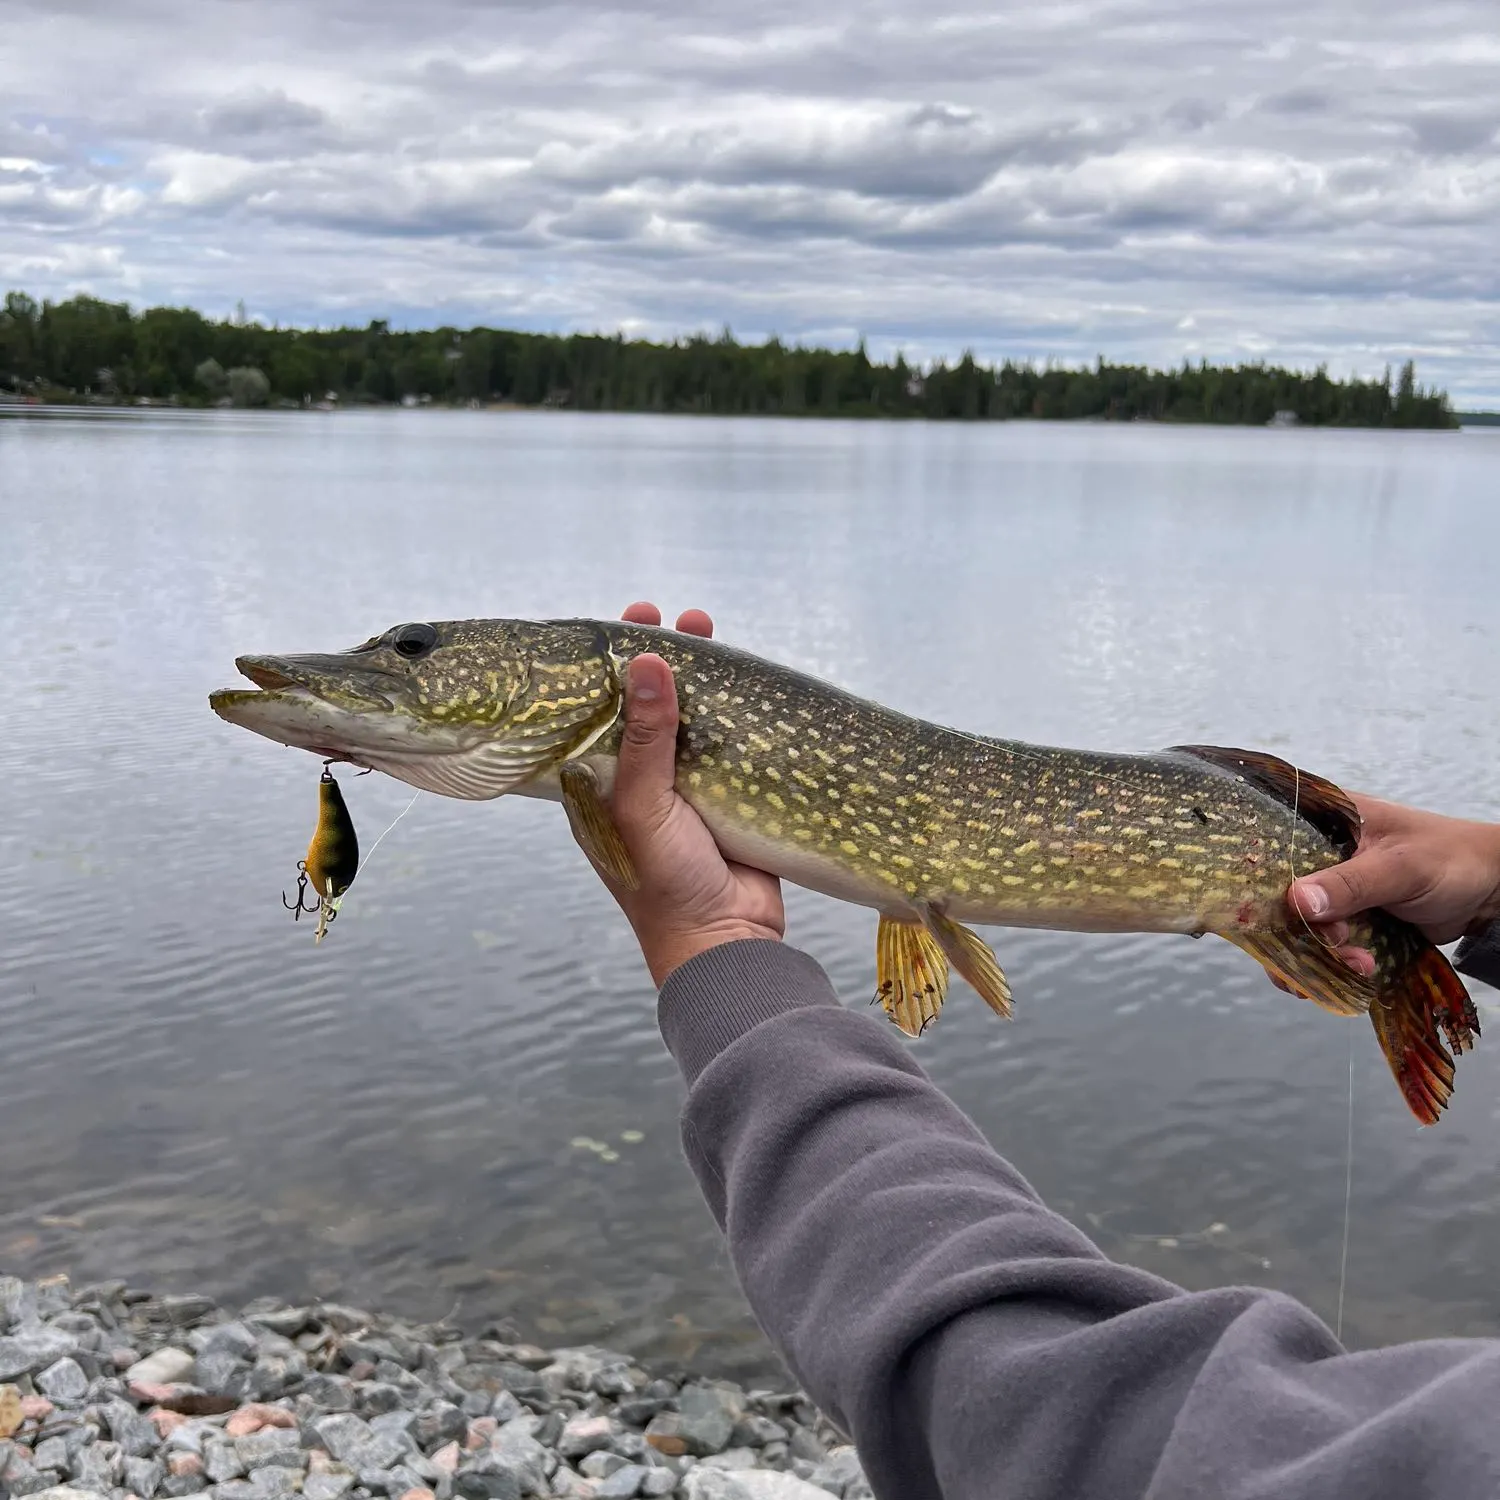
{"x": 332, "y": 859}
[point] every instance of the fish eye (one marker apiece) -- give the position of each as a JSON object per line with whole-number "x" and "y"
{"x": 413, "y": 640}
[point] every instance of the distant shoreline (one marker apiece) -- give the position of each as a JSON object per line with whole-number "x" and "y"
{"x": 10, "y": 405}
{"x": 90, "y": 351}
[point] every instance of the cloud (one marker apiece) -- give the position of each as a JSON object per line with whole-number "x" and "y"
{"x": 1149, "y": 179}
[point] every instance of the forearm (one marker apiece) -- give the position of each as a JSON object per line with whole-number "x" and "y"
{"x": 973, "y": 1343}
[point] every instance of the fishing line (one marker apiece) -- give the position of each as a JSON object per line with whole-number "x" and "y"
{"x": 393, "y": 822}
{"x": 1338, "y": 1323}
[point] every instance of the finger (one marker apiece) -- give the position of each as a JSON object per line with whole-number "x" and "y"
{"x": 1361, "y": 960}
{"x": 695, "y": 622}
{"x": 642, "y": 612}
{"x": 643, "y": 790}
{"x": 1377, "y": 877}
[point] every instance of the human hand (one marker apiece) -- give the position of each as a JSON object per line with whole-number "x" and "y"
{"x": 1442, "y": 874}
{"x": 690, "y": 898}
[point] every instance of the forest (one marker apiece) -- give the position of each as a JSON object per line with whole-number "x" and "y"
{"x": 88, "y": 350}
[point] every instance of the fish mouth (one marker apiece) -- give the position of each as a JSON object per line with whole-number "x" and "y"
{"x": 314, "y": 703}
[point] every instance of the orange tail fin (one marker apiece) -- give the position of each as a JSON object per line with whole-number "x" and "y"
{"x": 1418, "y": 995}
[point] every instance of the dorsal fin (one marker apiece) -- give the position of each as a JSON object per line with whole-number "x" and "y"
{"x": 1328, "y": 808}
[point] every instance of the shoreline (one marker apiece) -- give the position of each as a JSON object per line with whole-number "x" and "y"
{"x": 112, "y": 1393}
{"x": 53, "y": 407}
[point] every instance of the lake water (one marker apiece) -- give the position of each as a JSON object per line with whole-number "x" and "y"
{"x": 193, "y": 1096}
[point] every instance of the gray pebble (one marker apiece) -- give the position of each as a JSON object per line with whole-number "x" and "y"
{"x": 583, "y": 1435}
{"x": 33, "y": 1347}
{"x": 731, "y": 1458}
{"x": 658, "y": 1482}
{"x": 99, "y": 1466}
{"x": 601, "y": 1463}
{"x": 493, "y": 1482}
{"x": 506, "y": 1407}
{"x": 343, "y": 1434}
{"x": 623, "y": 1484}
{"x": 332, "y": 1392}
{"x": 756, "y": 1432}
{"x": 185, "y": 1311}
{"x": 277, "y": 1446}
{"x": 326, "y": 1486}
{"x": 221, "y": 1461}
{"x": 178, "y": 1485}
{"x": 442, "y": 1422}
{"x": 221, "y": 1372}
{"x": 52, "y": 1453}
{"x": 29, "y": 1481}
{"x": 638, "y": 1410}
{"x": 143, "y": 1475}
{"x": 237, "y": 1339}
{"x": 135, "y": 1435}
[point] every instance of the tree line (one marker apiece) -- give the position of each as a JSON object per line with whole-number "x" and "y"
{"x": 86, "y": 349}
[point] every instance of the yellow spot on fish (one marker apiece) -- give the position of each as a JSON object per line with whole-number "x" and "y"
{"x": 849, "y": 846}
{"x": 1012, "y": 880}
{"x": 1169, "y": 864}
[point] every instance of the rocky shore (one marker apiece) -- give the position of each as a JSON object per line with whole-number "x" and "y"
{"x": 108, "y": 1393}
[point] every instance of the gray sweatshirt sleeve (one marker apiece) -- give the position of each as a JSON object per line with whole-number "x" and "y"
{"x": 978, "y": 1347}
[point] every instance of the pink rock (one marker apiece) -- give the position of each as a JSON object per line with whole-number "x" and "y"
{"x": 255, "y": 1415}
{"x": 183, "y": 1464}
{"x": 447, "y": 1458}
{"x": 481, "y": 1430}
{"x": 164, "y": 1420}
{"x": 123, "y": 1358}
{"x": 364, "y": 1370}
{"x": 418, "y": 1494}
{"x": 144, "y": 1390}
{"x": 36, "y": 1408}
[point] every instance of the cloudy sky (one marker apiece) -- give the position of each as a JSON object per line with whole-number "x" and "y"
{"x": 1303, "y": 180}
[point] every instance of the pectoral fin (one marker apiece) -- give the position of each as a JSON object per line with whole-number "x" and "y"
{"x": 973, "y": 958}
{"x": 911, "y": 974}
{"x": 593, "y": 827}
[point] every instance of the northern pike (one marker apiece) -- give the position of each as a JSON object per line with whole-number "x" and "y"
{"x": 932, "y": 827}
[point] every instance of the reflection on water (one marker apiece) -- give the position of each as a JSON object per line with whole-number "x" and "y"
{"x": 192, "y": 1094}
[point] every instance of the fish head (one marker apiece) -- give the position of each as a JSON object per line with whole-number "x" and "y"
{"x": 464, "y": 708}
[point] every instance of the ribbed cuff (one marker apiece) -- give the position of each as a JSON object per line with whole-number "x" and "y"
{"x": 716, "y": 997}
{"x": 1479, "y": 956}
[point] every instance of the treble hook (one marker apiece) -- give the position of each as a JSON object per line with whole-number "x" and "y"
{"x": 296, "y": 907}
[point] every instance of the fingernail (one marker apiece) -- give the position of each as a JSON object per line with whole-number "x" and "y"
{"x": 642, "y": 689}
{"x": 1313, "y": 900}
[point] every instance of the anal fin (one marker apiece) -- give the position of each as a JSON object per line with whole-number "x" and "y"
{"x": 1309, "y": 966}
{"x": 911, "y": 974}
{"x": 593, "y": 827}
{"x": 973, "y": 958}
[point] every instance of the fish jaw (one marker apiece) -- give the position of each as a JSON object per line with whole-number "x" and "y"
{"x": 317, "y": 704}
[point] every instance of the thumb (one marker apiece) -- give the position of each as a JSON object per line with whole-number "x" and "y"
{"x": 643, "y": 790}
{"x": 1377, "y": 877}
